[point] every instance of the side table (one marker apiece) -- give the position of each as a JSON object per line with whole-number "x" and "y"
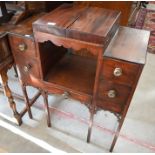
{"x": 84, "y": 54}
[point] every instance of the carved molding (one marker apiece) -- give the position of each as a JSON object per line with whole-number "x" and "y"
{"x": 118, "y": 116}
{"x": 76, "y": 45}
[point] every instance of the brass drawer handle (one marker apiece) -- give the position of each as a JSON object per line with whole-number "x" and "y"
{"x": 27, "y": 68}
{"x": 111, "y": 93}
{"x": 117, "y": 72}
{"x": 22, "y": 47}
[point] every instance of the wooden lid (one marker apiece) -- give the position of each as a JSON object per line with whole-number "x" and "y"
{"x": 91, "y": 24}
{"x": 129, "y": 44}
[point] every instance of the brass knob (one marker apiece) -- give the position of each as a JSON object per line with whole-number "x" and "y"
{"x": 22, "y": 47}
{"x": 27, "y": 68}
{"x": 117, "y": 72}
{"x": 111, "y": 93}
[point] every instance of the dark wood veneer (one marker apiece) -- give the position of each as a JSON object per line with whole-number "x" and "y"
{"x": 128, "y": 70}
{"x": 107, "y": 79}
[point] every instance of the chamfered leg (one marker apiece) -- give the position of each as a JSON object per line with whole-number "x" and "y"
{"x": 117, "y": 133}
{"x": 45, "y": 96}
{"x": 92, "y": 112}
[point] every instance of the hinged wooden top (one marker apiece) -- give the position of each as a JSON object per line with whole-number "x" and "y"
{"x": 89, "y": 24}
{"x": 129, "y": 44}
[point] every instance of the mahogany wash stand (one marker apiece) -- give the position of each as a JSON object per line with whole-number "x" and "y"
{"x": 82, "y": 53}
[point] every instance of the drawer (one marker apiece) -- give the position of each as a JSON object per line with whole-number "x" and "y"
{"x": 53, "y": 89}
{"x": 112, "y": 96}
{"x": 28, "y": 69}
{"x": 22, "y": 46}
{"x": 119, "y": 71}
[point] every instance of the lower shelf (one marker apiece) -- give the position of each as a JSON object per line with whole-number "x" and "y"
{"x": 74, "y": 72}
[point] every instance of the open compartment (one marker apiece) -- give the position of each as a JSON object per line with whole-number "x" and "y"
{"x": 67, "y": 68}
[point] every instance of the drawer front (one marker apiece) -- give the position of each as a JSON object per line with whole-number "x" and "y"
{"x": 23, "y": 46}
{"x": 119, "y": 71}
{"x": 28, "y": 69}
{"x": 112, "y": 96}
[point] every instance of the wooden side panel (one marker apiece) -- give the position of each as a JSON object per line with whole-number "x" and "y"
{"x": 49, "y": 56}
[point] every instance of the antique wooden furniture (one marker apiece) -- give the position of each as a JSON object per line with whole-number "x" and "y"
{"x": 6, "y": 62}
{"x": 122, "y": 66}
{"x": 8, "y": 22}
{"x": 83, "y": 53}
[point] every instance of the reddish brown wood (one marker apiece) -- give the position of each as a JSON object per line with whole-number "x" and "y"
{"x": 94, "y": 25}
{"x": 29, "y": 68}
{"x": 117, "y": 103}
{"x": 76, "y": 45}
{"x": 66, "y": 73}
{"x": 125, "y": 52}
{"x": 58, "y": 20}
{"x": 124, "y": 111}
{"x": 47, "y": 50}
{"x": 29, "y": 45}
{"x": 129, "y": 45}
{"x": 58, "y": 67}
{"x": 128, "y": 70}
{"x": 86, "y": 24}
{"x": 6, "y": 59}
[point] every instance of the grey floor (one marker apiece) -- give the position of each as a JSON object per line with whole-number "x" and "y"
{"x": 70, "y": 123}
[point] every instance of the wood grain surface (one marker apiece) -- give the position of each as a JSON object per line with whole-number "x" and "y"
{"x": 91, "y": 24}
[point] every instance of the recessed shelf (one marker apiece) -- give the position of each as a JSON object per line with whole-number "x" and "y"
{"x": 74, "y": 72}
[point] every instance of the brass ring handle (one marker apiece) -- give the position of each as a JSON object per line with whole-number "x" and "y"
{"x": 22, "y": 47}
{"x": 117, "y": 72}
{"x": 111, "y": 93}
{"x": 27, "y": 68}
